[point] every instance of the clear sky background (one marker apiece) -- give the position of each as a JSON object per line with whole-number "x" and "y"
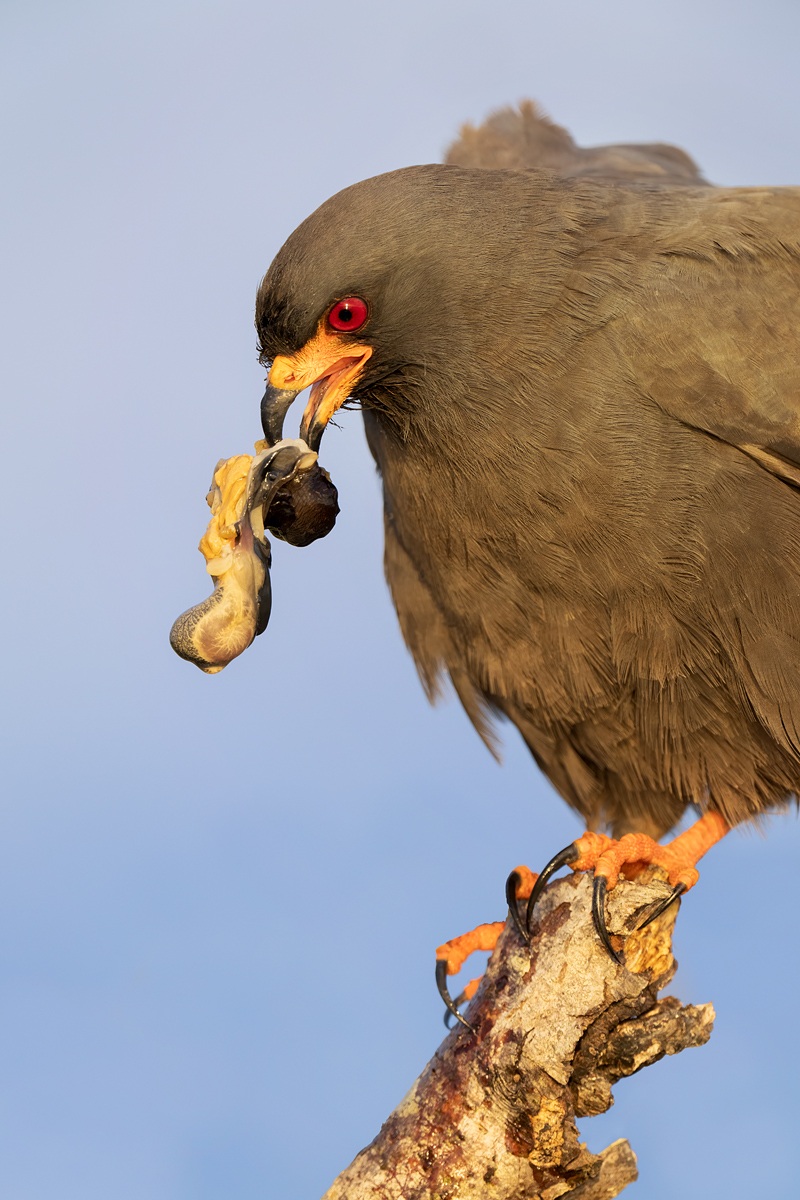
{"x": 220, "y": 897}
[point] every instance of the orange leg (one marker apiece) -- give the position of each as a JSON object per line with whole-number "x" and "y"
{"x": 451, "y": 956}
{"x": 608, "y": 858}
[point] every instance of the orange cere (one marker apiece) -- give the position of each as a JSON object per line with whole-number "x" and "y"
{"x": 329, "y": 363}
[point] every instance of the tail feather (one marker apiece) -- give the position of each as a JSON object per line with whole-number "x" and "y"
{"x": 518, "y": 139}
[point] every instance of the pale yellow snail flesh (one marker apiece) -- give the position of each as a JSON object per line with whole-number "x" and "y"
{"x": 237, "y": 555}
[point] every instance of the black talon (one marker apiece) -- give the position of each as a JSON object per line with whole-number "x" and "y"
{"x": 562, "y": 859}
{"x": 450, "y": 1004}
{"x": 512, "y": 883}
{"x": 662, "y": 906}
{"x": 448, "y": 1016}
{"x": 599, "y": 915}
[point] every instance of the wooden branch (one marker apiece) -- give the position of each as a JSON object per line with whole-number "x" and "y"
{"x": 558, "y": 1023}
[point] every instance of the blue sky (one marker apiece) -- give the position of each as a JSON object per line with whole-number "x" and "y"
{"x": 220, "y": 897}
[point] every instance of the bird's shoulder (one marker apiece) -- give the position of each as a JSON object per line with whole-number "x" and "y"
{"x": 711, "y": 332}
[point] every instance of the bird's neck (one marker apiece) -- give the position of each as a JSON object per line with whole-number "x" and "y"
{"x": 445, "y": 488}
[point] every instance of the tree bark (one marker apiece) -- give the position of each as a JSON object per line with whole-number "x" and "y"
{"x": 556, "y": 1025}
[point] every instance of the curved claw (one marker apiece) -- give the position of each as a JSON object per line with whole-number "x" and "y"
{"x": 450, "y": 1004}
{"x": 448, "y": 1016}
{"x": 663, "y": 905}
{"x": 512, "y": 883}
{"x": 599, "y": 889}
{"x": 568, "y": 855}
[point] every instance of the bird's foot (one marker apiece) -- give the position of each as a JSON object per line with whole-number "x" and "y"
{"x": 609, "y": 858}
{"x": 451, "y": 956}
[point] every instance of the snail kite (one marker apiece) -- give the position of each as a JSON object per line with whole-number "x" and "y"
{"x": 579, "y": 372}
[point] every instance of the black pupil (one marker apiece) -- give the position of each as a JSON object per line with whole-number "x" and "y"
{"x": 345, "y": 314}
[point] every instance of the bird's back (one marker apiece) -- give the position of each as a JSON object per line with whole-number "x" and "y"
{"x": 621, "y": 576}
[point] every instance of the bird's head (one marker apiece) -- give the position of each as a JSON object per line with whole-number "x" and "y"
{"x": 389, "y": 287}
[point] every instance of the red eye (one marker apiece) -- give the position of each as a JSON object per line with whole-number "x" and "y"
{"x": 348, "y": 314}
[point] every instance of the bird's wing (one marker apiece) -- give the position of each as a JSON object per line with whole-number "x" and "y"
{"x": 428, "y": 639}
{"x": 714, "y": 342}
{"x": 517, "y": 140}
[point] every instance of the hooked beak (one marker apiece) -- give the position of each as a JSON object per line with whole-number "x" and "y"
{"x": 331, "y": 365}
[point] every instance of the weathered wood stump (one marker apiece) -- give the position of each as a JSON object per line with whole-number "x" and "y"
{"x": 557, "y": 1024}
